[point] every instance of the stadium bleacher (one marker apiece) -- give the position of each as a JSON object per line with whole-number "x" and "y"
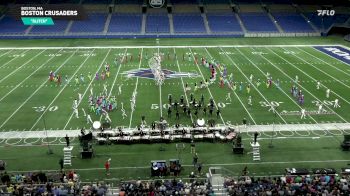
{"x": 94, "y": 23}
{"x": 223, "y": 22}
{"x": 10, "y": 25}
{"x": 253, "y": 21}
{"x": 157, "y": 23}
{"x": 292, "y": 22}
{"x": 188, "y": 23}
{"x": 125, "y": 23}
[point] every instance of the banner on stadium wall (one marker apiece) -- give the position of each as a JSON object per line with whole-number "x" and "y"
{"x": 53, "y": 11}
{"x": 157, "y": 3}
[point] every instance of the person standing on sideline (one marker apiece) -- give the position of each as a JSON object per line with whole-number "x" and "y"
{"x": 60, "y": 162}
{"x": 107, "y": 166}
{"x": 195, "y": 159}
{"x": 67, "y": 140}
{"x": 193, "y": 147}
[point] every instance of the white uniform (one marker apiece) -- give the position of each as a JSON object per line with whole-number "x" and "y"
{"x": 228, "y": 97}
{"x": 80, "y": 97}
{"x": 328, "y": 92}
{"x": 320, "y": 108}
{"x": 107, "y": 117}
{"x": 88, "y": 119}
{"x": 123, "y": 111}
{"x": 120, "y": 89}
{"x": 303, "y": 115}
{"x": 318, "y": 85}
{"x": 91, "y": 91}
{"x": 296, "y": 78}
{"x": 251, "y": 78}
{"x": 250, "y": 100}
{"x": 336, "y": 103}
{"x": 75, "y": 108}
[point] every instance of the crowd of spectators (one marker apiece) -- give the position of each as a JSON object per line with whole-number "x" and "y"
{"x": 39, "y": 183}
{"x": 166, "y": 187}
{"x": 289, "y": 185}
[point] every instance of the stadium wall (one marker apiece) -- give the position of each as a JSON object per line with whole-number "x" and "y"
{"x": 131, "y": 36}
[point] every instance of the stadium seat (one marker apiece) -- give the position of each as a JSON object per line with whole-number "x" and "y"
{"x": 257, "y": 22}
{"x": 125, "y": 23}
{"x": 10, "y": 25}
{"x": 223, "y": 22}
{"x": 292, "y": 22}
{"x": 94, "y": 23}
{"x": 157, "y": 23}
{"x": 188, "y": 23}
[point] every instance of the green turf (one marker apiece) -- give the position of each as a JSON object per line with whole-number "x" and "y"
{"x": 20, "y": 92}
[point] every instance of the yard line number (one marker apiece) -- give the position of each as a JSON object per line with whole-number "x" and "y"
{"x": 324, "y": 102}
{"x": 42, "y": 108}
{"x": 267, "y": 104}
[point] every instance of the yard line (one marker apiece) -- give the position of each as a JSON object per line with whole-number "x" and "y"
{"x": 43, "y": 84}
{"x": 183, "y": 85}
{"x": 311, "y": 76}
{"x": 21, "y": 66}
{"x": 13, "y": 58}
{"x": 115, "y": 79}
{"x": 28, "y": 77}
{"x": 6, "y": 53}
{"x": 65, "y": 126}
{"x": 273, "y": 82}
{"x": 76, "y": 71}
{"x": 301, "y": 86}
{"x": 160, "y": 94}
{"x": 323, "y": 60}
{"x": 135, "y": 89}
{"x": 196, "y": 63}
{"x": 225, "y": 52}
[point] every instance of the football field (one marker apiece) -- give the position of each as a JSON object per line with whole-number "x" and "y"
{"x": 31, "y": 104}
{"x": 29, "y": 101}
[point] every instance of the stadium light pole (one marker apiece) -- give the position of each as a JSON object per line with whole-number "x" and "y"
{"x": 49, "y": 150}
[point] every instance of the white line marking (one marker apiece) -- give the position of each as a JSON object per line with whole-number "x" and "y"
{"x": 281, "y": 88}
{"x": 6, "y": 53}
{"x": 87, "y": 89}
{"x": 322, "y": 72}
{"x": 320, "y": 52}
{"x": 115, "y": 79}
{"x": 13, "y": 59}
{"x": 251, "y": 117}
{"x": 299, "y": 84}
{"x": 196, "y": 63}
{"x": 43, "y": 113}
{"x": 8, "y": 75}
{"x": 183, "y": 85}
{"x": 28, "y": 76}
{"x": 135, "y": 89}
{"x": 43, "y": 84}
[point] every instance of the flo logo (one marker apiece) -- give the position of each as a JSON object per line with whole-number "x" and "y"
{"x": 156, "y": 3}
{"x": 325, "y": 12}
